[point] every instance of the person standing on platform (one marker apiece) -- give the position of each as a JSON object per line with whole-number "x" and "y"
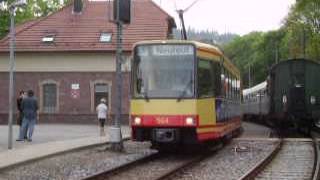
{"x": 29, "y": 107}
{"x": 22, "y": 95}
{"x": 102, "y": 111}
{"x": 20, "y": 114}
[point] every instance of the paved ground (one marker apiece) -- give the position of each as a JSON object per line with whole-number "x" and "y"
{"x": 55, "y": 138}
{"x": 45, "y": 133}
{"x": 50, "y": 139}
{"x": 252, "y": 130}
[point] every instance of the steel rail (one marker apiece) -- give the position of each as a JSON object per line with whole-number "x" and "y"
{"x": 124, "y": 167}
{"x": 260, "y": 166}
{"x": 189, "y": 164}
{"x": 170, "y": 174}
{"x": 316, "y": 166}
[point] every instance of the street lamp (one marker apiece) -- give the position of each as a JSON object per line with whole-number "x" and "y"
{"x": 12, "y": 9}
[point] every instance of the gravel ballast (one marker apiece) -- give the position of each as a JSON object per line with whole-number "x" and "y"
{"x": 77, "y": 165}
{"x": 231, "y": 162}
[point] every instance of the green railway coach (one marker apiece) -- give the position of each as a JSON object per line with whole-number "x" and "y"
{"x": 294, "y": 89}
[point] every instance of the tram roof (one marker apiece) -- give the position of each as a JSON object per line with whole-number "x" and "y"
{"x": 200, "y": 46}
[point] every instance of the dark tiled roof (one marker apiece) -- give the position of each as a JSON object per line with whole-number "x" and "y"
{"x": 81, "y": 32}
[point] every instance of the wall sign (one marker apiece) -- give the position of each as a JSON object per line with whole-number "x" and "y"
{"x": 75, "y": 91}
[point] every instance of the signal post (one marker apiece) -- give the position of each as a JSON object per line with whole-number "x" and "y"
{"x": 122, "y": 15}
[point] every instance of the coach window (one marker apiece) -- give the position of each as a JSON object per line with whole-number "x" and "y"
{"x": 100, "y": 91}
{"x": 49, "y": 97}
{"x": 205, "y": 79}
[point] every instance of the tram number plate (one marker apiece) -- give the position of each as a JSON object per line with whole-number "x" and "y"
{"x": 162, "y": 120}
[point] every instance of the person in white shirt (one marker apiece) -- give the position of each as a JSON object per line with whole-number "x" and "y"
{"x": 102, "y": 111}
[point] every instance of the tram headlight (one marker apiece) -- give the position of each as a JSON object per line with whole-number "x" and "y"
{"x": 312, "y": 100}
{"x": 137, "y": 121}
{"x": 190, "y": 121}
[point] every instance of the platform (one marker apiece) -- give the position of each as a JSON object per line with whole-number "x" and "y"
{"x": 50, "y": 139}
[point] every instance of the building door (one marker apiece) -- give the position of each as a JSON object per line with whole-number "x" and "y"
{"x": 101, "y": 90}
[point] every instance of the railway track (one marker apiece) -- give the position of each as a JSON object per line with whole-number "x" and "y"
{"x": 291, "y": 159}
{"x": 157, "y": 166}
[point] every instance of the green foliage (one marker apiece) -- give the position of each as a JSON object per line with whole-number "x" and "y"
{"x": 206, "y": 36}
{"x": 298, "y": 37}
{"x": 34, "y": 9}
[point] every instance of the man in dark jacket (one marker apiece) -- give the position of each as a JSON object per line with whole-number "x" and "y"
{"x": 19, "y": 101}
{"x": 29, "y": 106}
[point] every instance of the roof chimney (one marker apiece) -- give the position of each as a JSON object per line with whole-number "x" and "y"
{"x": 77, "y": 6}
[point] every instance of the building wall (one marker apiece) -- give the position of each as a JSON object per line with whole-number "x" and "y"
{"x": 84, "y": 69}
{"x": 60, "y": 62}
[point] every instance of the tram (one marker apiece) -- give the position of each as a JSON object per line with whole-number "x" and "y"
{"x": 183, "y": 93}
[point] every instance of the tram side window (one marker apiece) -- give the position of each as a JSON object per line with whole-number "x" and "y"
{"x": 236, "y": 88}
{"x": 217, "y": 78}
{"x": 232, "y": 88}
{"x": 223, "y": 77}
{"x": 205, "y": 79}
{"x": 226, "y": 89}
{"x": 229, "y": 86}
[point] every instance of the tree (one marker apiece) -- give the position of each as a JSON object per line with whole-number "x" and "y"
{"x": 298, "y": 37}
{"x": 34, "y": 9}
{"x": 303, "y": 24}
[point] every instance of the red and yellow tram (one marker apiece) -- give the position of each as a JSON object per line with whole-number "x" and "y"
{"x": 183, "y": 92}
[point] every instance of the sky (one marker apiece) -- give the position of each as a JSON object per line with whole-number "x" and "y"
{"x": 234, "y": 16}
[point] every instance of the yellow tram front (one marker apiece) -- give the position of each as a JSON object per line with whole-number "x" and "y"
{"x": 173, "y": 94}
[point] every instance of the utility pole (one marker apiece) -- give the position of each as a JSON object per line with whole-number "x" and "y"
{"x": 117, "y": 143}
{"x": 122, "y": 16}
{"x": 12, "y": 9}
{"x": 277, "y": 54}
{"x": 11, "y": 74}
{"x": 249, "y": 76}
{"x": 303, "y": 41}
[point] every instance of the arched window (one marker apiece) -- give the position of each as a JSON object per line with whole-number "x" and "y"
{"x": 49, "y": 98}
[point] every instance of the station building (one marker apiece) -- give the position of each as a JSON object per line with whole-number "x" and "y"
{"x": 68, "y": 58}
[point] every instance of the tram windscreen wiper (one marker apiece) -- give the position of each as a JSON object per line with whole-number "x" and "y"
{"x": 184, "y": 91}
